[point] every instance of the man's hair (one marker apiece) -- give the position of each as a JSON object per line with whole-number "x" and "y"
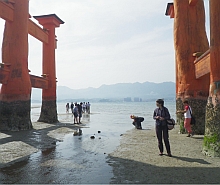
{"x": 160, "y": 101}
{"x": 186, "y": 101}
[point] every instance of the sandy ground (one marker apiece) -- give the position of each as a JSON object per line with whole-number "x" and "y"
{"x": 136, "y": 160}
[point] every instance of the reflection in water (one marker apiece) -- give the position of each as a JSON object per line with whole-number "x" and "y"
{"x": 86, "y": 117}
{"x": 78, "y": 132}
{"x": 48, "y": 151}
{"x": 68, "y": 118}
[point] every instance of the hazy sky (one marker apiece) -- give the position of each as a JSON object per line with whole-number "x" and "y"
{"x": 107, "y": 41}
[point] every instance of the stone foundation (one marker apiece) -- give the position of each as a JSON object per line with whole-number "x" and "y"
{"x": 15, "y": 116}
{"x": 211, "y": 144}
{"x": 199, "y": 111}
{"x": 48, "y": 112}
{"x": 180, "y": 117}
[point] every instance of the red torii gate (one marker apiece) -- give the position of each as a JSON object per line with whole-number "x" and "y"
{"x": 16, "y": 81}
{"x": 206, "y": 63}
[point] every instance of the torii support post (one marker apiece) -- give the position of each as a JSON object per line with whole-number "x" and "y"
{"x": 190, "y": 37}
{"x": 212, "y": 129}
{"x": 49, "y": 105}
{"x": 15, "y": 94}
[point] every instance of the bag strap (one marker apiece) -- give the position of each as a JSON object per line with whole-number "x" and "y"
{"x": 190, "y": 111}
{"x": 165, "y": 112}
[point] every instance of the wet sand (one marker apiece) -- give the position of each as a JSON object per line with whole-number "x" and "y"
{"x": 136, "y": 160}
{"x": 51, "y": 154}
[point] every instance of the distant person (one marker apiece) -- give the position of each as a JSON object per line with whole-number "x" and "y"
{"x": 80, "y": 111}
{"x": 137, "y": 121}
{"x": 67, "y": 108}
{"x": 187, "y": 115}
{"x": 71, "y": 106}
{"x": 161, "y": 114}
{"x": 88, "y": 108}
{"x": 75, "y": 114}
{"x": 84, "y": 107}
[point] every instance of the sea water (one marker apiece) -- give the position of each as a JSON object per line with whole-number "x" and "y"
{"x": 112, "y": 119}
{"x": 114, "y": 114}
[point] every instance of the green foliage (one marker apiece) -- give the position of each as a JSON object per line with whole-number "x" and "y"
{"x": 182, "y": 129}
{"x": 209, "y": 140}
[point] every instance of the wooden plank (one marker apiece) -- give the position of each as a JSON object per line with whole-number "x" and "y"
{"x": 6, "y": 11}
{"x": 202, "y": 65}
{"x": 37, "y": 32}
{"x": 39, "y": 82}
{"x": 193, "y": 2}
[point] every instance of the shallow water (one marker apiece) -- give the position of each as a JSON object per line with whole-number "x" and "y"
{"x": 77, "y": 159}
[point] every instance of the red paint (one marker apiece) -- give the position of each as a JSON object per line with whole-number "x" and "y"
{"x": 189, "y": 37}
{"x": 214, "y": 51}
{"x": 49, "y": 22}
{"x": 15, "y": 52}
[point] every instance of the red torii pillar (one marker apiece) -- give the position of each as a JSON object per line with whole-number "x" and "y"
{"x": 189, "y": 37}
{"x": 211, "y": 144}
{"x": 15, "y": 95}
{"x": 49, "y": 106}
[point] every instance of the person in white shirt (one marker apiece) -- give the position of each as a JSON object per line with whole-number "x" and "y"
{"x": 84, "y": 107}
{"x": 187, "y": 115}
{"x": 75, "y": 114}
{"x": 88, "y": 108}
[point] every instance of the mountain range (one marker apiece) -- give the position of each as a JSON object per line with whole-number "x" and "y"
{"x": 145, "y": 91}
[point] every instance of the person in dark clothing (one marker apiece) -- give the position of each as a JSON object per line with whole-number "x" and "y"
{"x": 67, "y": 108}
{"x": 71, "y": 106}
{"x": 161, "y": 114}
{"x": 137, "y": 121}
{"x": 80, "y": 111}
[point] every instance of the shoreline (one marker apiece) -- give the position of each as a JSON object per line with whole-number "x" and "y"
{"x": 136, "y": 160}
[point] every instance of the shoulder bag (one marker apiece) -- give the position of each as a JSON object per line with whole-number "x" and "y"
{"x": 193, "y": 120}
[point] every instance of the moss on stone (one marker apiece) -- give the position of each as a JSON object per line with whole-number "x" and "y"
{"x": 211, "y": 143}
{"x": 209, "y": 140}
{"x": 48, "y": 112}
{"x": 182, "y": 129}
{"x": 15, "y": 116}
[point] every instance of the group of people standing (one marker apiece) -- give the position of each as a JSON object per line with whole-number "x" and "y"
{"x": 78, "y": 110}
{"x": 161, "y": 114}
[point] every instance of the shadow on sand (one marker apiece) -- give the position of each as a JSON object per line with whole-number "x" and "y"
{"x": 129, "y": 171}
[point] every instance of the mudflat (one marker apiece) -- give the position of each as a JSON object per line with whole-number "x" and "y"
{"x": 137, "y": 160}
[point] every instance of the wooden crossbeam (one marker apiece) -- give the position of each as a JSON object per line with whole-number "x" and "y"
{"x": 37, "y": 32}
{"x": 202, "y": 65}
{"x": 6, "y": 11}
{"x": 39, "y": 82}
{"x": 36, "y": 81}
